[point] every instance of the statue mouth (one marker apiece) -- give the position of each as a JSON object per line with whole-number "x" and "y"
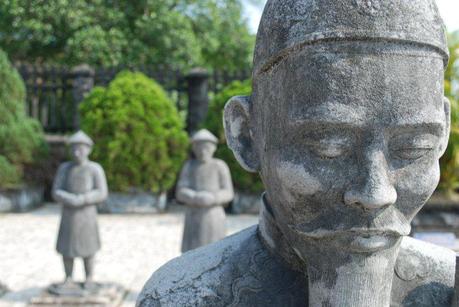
{"x": 361, "y": 240}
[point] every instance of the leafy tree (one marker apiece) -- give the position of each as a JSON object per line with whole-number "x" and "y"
{"x": 182, "y": 33}
{"x": 243, "y": 180}
{"x": 21, "y": 138}
{"x": 139, "y": 135}
{"x": 450, "y": 161}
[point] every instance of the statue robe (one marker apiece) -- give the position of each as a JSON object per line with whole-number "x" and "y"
{"x": 78, "y": 231}
{"x": 203, "y": 224}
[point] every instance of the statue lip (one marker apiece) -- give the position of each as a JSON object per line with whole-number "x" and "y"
{"x": 352, "y": 232}
{"x": 360, "y": 240}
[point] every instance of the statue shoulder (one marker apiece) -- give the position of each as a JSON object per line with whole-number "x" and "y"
{"x": 424, "y": 274}
{"x": 96, "y": 167}
{"x": 220, "y": 164}
{"x": 65, "y": 166}
{"x": 195, "y": 278}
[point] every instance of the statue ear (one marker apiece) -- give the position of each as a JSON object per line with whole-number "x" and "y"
{"x": 447, "y": 108}
{"x": 236, "y": 120}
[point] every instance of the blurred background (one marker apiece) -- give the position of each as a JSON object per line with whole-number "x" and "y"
{"x": 139, "y": 77}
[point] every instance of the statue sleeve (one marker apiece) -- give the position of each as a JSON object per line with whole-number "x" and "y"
{"x": 226, "y": 192}
{"x": 100, "y": 191}
{"x": 58, "y": 191}
{"x": 183, "y": 192}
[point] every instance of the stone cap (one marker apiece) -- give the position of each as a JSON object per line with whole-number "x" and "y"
{"x": 289, "y": 25}
{"x": 204, "y": 135}
{"x": 80, "y": 138}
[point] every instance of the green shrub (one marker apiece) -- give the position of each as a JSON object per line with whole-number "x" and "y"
{"x": 139, "y": 136}
{"x": 243, "y": 180}
{"x": 449, "y": 163}
{"x": 21, "y": 138}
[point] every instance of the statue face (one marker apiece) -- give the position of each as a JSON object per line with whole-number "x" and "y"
{"x": 80, "y": 152}
{"x": 203, "y": 150}
{"x": 351, "y": 143}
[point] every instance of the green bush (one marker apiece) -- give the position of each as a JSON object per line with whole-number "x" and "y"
{"x": 21, "y": 138}
{"x": 139, "y": 135}
{"x": 449, "y": 163}
{"x": 243, "y": 180}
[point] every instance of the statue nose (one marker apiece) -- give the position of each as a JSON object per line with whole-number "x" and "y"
{"x": 376, "y": 190}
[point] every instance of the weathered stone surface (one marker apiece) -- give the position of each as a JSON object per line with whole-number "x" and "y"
{"x": 204, "y": 186}
{"x": 345, "y": 125}
{"x": 246, "y": 270}
{"x": 101, "y": 295}
{"x": 134, "y": 202}
{"x": 22, "y": 199}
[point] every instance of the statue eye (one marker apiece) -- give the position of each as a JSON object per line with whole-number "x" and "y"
{"x": 412, "y": 153}
{"x": 331, "y": 149}
{"x": 413, "y": 148}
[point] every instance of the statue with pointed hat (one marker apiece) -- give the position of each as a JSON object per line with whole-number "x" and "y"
{"x": 79, "y": 186}
{"x": 204, "y": 186}
{"x": 345, "y": 125}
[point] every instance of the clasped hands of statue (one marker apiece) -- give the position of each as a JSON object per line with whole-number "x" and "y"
{"x": 198, "y": 198}
{"x": 72, "y": 200}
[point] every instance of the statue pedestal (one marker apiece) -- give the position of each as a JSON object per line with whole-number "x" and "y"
{"x": 3, "y": 289}
{"x": 76, "y": 294}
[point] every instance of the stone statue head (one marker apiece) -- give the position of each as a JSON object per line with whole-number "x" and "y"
{"x": 347, "y": 119}
{"x": 204, "y": 144}
{"x": 80, "y": 147}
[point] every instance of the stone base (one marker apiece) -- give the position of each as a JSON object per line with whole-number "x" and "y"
{"x": 134, "y": 202}
{"x": 76, "y": 294}
{"x": 246, "y": 204}
{"x": 3, "y": 289}
{"x": 21, "y": 200}
{"x": 437, "y": 220}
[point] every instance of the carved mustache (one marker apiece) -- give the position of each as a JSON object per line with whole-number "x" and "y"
{"x": 390, "y": 222}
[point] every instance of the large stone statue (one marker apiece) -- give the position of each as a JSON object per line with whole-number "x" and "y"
{"x": 345, "y": 124}
{"x": 79, "y": 186}
{"x": 204, "y": 187}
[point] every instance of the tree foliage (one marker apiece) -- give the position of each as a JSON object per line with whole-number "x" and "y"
{"x": 243, "y": 180}
{"x": 21, "y": 138}
{"x": 139, "y": 136}
{"x": 450, "y": 161}
{"x": 182, "y": 33}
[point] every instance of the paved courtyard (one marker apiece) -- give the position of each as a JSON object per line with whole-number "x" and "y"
{"x": 133, "y": 246}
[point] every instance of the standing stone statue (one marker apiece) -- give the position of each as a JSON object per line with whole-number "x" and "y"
{"x": 79, "y": 186}
{"x": 346, "y": 124}
{"x": 204, "y": 186}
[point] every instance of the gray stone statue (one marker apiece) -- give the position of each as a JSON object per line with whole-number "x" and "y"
{"x": 204, "y": 186}
{"x": 345, "y": 124}
{"x": 79, "y": 186}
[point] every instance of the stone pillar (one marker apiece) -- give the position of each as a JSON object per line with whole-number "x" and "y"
{"x": 198, "y": 98}
{"x": 83, "y": 82}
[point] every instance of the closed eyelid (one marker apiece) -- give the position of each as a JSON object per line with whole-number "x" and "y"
{"x": 424, "y": 140}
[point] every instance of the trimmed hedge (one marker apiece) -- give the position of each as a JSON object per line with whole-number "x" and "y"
{"x": 243, "y": 180}
{"x": 139, "y": 136}
{"x": 22, "y": 140}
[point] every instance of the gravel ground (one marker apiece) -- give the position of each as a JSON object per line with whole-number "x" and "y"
{"x": 133, "y": 246}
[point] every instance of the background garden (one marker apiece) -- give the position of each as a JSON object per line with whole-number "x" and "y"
{"x": 134, "y": 92}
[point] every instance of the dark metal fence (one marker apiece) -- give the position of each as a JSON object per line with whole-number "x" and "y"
{"x": 53, "y": 92}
